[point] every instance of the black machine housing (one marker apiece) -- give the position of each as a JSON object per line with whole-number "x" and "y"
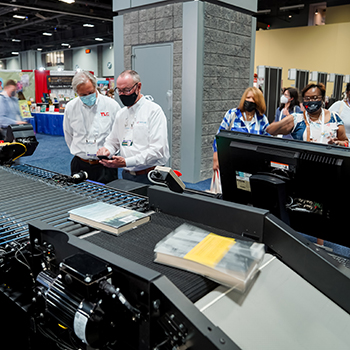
{"x": 84, "y": 297}
{"x": 73, "y": 294}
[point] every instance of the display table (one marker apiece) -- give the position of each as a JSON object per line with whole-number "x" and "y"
{"x": 31, "y": 121}
{"x": 49, "y": 123}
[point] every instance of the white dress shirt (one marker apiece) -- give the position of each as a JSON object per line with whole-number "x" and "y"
{"x": 140, "y": 133}
{"x": 343, "y": 110}
{"x": 82, "y": 123}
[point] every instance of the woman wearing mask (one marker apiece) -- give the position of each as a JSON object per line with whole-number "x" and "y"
{"x": 343, "y": 109}
{"x": 315, "y": 124}
{"x": 248, "y": 117}
{"x": 289, "y": 104}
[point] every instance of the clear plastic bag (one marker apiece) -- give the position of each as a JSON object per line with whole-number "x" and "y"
{"x": 215, "y": 186}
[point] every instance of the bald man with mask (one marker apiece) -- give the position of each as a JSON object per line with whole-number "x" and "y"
{"x": 139, "y": 132}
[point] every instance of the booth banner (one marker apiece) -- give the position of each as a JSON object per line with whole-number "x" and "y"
{"x": 59, "y": 81}
{"x": 24, "y": 79}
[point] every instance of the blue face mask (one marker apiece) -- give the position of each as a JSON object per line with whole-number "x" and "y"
{"x": 89, "y": 100}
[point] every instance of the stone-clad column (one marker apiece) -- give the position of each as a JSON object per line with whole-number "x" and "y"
{"x": 221, "y": 73}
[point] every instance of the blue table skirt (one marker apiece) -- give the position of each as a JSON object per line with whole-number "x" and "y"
{"x": 49, "y": 123}
{"x": 31, "y": 121}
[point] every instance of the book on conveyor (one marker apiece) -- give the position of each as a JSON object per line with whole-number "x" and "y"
{"x": 108, "y": 217}
{"x": 229, "y": 261}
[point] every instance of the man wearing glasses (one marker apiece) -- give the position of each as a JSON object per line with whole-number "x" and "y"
{"x": 139, "y": 132}
{"x": 87, "y": 122}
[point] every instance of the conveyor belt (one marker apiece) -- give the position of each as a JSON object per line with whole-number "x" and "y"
{"x": 30, "y": 193}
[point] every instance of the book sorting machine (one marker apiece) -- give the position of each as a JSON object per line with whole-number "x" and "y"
{"x": 65, "y": 286}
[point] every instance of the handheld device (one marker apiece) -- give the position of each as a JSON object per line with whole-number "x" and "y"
{"x": 102, "y": 157}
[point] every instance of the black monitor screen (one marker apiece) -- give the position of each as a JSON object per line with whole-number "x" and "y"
{"x": 305, "y": 184}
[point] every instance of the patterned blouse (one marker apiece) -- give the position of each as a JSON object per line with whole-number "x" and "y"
{"x": 234, "y": 120}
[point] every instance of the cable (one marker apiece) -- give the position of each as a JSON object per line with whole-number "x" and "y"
{"x": 161, "y": 344}
{"x": 115, "y": 292}
{"x": 157, "y": 174}
{"x": 26, "y": 263}
{"x": 53, "y": 337}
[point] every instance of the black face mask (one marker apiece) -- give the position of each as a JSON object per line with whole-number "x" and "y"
{"x": 249, "y": 106}
{"x": 128, "y": 100}
{"x": 312, "y": 106}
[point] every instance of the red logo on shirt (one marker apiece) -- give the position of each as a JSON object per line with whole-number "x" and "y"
{"x": 104, "y": 114}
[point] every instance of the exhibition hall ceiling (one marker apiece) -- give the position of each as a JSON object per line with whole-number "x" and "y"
{"x": 50, "y": 25}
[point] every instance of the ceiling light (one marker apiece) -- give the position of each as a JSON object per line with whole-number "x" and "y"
{"x": 64, "y": 44}
{"x": 98, "y": 39}
{"x": 68, "y": 1}
{"x": 290, "y": 16}
{"x": 16, "y": 40}
{"x": 293, "y": 7}
{"x": 260, "y": 12}
{"x": 14, "y": 53}
{"x": 47, "y": 34}
{"x": 316, "y": 12}
{"x": 39, "y": 49}
{"x": 19, "y": 17}
{"x": 88, "y": 25}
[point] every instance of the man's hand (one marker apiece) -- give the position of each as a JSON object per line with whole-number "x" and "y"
{"x": 21, "y": 122}
{"x": 103, "y": 151}
{"x": 115, "y": 162}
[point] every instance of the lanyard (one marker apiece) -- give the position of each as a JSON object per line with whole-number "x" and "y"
{"x": 322, "y": 124}
{"x": 129, "y": 130}
{"x": 281, "y": 114}
{"x": 248, "y": 125}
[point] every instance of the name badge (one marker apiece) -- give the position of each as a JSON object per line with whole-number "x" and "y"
{"x": 91, "y": 149}
{"x": 127, "y": 143}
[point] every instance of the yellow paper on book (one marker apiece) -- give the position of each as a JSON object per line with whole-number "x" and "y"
{"x": 210, "y": 250}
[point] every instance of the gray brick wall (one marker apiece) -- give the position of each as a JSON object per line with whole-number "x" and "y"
{"x": 157, "y": 25}
{"x": 227, "y": 37}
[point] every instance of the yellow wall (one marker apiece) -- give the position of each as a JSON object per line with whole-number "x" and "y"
{"x": 338, "y": 14}
{"x": 316, "y": 48}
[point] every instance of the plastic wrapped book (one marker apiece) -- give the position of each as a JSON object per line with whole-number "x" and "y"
{"x": 229, "y": 261}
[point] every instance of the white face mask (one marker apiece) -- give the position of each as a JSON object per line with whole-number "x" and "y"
{"x": 284, "y": 99}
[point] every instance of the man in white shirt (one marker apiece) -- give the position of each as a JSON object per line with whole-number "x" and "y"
{"x": 87, "y": 122}
{"x": 343, "y": 109}
{"x": 139, "y": 132}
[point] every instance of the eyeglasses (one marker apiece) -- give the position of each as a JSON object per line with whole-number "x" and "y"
{"x": 125, "y": 91}
{"x": 312, "y": 98}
